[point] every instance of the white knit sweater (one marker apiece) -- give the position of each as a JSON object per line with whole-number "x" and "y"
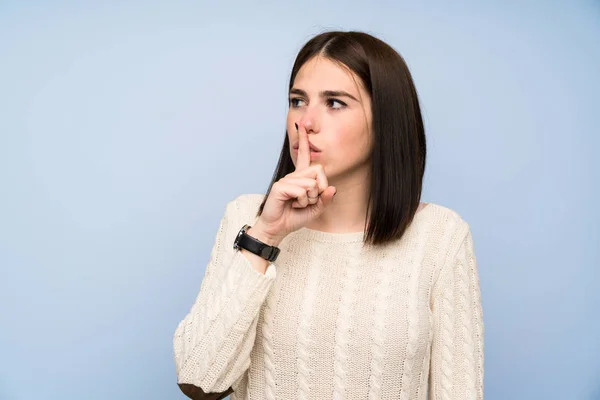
{"x": 332, "y": 319}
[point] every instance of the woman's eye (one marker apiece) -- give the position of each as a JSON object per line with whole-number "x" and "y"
{"x": 341, "y": 103}
{"x": 294, "y": 101}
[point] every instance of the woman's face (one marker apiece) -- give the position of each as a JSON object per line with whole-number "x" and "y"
{"x": 330, "y": 102}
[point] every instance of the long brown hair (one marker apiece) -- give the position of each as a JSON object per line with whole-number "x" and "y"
{"x": 399, "y": 151}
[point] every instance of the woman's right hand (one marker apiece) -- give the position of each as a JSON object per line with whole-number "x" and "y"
{"x": 297, "y": 198}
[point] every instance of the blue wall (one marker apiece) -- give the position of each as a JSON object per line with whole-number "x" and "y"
{"x": 123, "y": 128}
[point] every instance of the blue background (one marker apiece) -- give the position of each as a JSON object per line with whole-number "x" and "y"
{"x": 125, "y": 128}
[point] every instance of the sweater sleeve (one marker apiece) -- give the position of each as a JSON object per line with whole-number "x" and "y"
{"x": 456, "y": 368}
{"x": 213, "y": 343}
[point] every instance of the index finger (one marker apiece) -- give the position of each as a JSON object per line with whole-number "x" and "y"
{"x": 303, "y": 160}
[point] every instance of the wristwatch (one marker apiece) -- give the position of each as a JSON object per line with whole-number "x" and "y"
{"x": 253, "y": 245}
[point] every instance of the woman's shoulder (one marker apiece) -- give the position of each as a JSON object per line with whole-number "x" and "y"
{"x": 444, "y": 213}
{"x": 245, "y": 206}
{"x": 451, "y": 226}
{"x": 249, "y": 202}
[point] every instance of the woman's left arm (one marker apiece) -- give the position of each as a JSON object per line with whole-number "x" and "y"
{"x": 456, "y": 368}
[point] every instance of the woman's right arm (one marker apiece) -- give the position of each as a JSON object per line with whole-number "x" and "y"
{"x": 212, "y": 344}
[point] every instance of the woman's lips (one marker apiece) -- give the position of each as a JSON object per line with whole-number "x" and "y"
{"x": 312, "y": 147}
{"x": 313, "y": 154}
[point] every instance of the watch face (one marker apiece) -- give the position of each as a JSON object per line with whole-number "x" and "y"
{"x": 239, "y": 235}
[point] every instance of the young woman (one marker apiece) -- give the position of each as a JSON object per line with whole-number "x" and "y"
{"x": 368, "y": 295}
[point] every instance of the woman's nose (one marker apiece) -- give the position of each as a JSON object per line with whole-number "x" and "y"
{"x": 308, "y": 122}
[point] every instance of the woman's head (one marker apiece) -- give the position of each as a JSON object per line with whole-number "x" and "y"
{"x": 372, "y": 124}
{"x": 328, "y": 100}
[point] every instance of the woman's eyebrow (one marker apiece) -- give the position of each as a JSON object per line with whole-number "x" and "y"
{"x": 324, "y": 93}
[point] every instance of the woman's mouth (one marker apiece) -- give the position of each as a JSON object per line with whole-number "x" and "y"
{"x": 312, "y": 147}
{"x": 313, "y": 154}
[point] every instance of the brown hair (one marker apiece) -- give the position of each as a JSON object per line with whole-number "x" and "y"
{"x": 399, "y": 149}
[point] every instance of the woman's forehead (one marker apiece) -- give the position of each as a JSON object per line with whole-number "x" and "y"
{"x": 320, "y": 73}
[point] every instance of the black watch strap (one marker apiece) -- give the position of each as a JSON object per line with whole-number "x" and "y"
{"x": 253, "y": 245}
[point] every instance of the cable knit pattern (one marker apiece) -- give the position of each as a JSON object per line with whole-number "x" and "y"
{"x": 462, "y": 283}
{"x": 342, "y": 336}
{"x": 378, "y": 335}
{"x": 267, "y": 343}
{"x": 415, "y": 255}
{"x": 446, "y": 351}
{"x": 333, "y": 318}
{"x": 458, "y": 311}
{"x": 236, "y": 301}
{"x": 304, "y": 339}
